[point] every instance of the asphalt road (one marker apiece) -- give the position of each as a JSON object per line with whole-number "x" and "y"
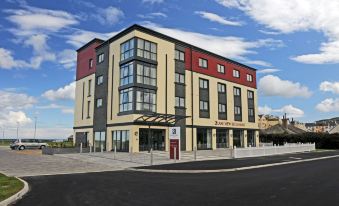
{"x": 308, "y": 183}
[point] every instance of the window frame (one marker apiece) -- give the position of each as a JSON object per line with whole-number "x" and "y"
{"x": 203, "y": 103}
{"x": 249, "y": 77}
{"x": 128, "y": 104}
{"x": 202, "y": 60}
{"x": 203, "y": 83}
{"x": 90, "y": 63}
{"x": 235, "y": 71}
{"x": 100, "y": 80}
{"x": 98, "y": 102}
{"x": 101, "y": 58}
{"x": 219, "y": 66}
{"x": 129, "y": 77}
{"x": 179, "y": 100}
{"x": 222, "y": 112}
{"x": 151, "y": 105}
{"x": 179, "y": 76}
{"x": 152, "y": 69}
{"x": 221, "y": 85}
{"x": 144, "y": 51}
{"x": 129, "y": 52}
{"x": 179, "y": 55}
{"x": 236, "y": 93}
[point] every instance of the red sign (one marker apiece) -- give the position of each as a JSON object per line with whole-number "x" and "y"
{"x": 174, "y": 143}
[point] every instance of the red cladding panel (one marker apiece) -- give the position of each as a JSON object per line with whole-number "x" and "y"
{"x": 212, "y": 68}
{"x": 83, "y": 57}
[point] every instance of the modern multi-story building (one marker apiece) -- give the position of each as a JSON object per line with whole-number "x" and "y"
{"x": 132, "y": 87}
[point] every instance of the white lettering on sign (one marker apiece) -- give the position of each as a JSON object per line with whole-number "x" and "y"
{"x": 174, "y": 133}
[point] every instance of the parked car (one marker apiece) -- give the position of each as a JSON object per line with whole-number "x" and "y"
{"x": 22, "y": 144}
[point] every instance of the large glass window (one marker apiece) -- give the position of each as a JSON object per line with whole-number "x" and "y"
{"x": 127, "y": 49}
{"x": 203, "y": 105}
{"x": 221, "y": 88}
{"x": 126, "y": 99}
{"x": 147, "y": 49}
{"x": 203, "y": 84}
{"x": 179, "y": 102}
{"x": 179, "y": 78}
{"x": 222, "y": 138}
{"x": 146, "y": 100}
{"x": 146, "y": 74}
{"x": 99, "y": 141}
{"x": 179, "y": 55}
{"x": 204, "y": 138}
{"x": 236, "y": 91}
{"x": 238, "y": 138}
{"x": 126, "y": 74}
{"x": 251, "y": 138}
{"x": 121, "y": 140}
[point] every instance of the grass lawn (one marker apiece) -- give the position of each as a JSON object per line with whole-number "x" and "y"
{"x": 9, "y": 186}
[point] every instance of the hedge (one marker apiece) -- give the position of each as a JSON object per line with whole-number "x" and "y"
{"x": 322, "y": 140}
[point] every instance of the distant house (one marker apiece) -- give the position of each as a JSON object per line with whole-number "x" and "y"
{"x": 335, "y": 130}
{"x": 267, "y": 121}
{"x": 285, "y": 126}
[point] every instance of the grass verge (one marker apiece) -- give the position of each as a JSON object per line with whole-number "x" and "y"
{"x": 9, "y": 186}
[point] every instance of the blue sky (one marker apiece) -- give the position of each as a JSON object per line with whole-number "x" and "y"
{"x": 293, "y": 44}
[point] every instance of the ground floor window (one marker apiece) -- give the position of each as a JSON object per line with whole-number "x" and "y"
{"x": 251, "y": 138}
{"x": 99, "y": 140}
{"x": 81, "y": 137}
{"x": 120, "y": 140}
{"x": 222, "y": 138}
{"x": 151, "y": 138}
{"x": 204, "y": 138}
{"x": 238, "y": 137}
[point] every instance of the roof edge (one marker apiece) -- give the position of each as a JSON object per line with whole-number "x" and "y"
{"x": 89, "y": 43}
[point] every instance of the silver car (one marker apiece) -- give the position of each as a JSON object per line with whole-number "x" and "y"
{"x": 22, "y": 144}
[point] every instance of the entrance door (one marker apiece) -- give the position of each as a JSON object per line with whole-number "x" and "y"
{"x": 222, "y": 138}
{"x": 157, "y": 141}
{"x": 238, "y": 138}
{"x": 204, "y": 138}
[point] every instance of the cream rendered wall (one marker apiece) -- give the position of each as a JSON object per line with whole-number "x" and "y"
{"x": 78, "y": 120}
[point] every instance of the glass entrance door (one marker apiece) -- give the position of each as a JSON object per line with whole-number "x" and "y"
{"x": 157, "y": 139}
{"x": 222, "y": 138}
{"x": 204, "y": 138}
{"x": 238, "y": 136}
{"x": 121, "y": 140}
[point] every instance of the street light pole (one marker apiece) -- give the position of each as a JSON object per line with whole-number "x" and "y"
{"x": 17, "y": 130}
{"x": 35, "y": 127}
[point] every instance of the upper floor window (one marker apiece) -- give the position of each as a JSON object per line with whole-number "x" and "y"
{"x": 249, "y": 78}
{"x": 90, "y": 63}
{"x": 250, "y": 95}
{"x": 203, "y": 84}
{"x": 179, "y": 55}
{"x": 126, "y": 99}
{"x": 202, "y": 63}
{"x": 179, "y": 102}
{"x": 146, "y": 100}
{"x": 126, "y": 74}
{"x": 147, "y": 49}
{"x": 236, "y": 91}
{"x": 250, "y": 112}
{"x": 221, "y": 68}
{"x": 101, "y": 57}
{"x": 127, "y": 49}
{"x": 203, "y": 105}
{"x": 89, "y": 87}
{"x": 179, "y": 78}
{"x": 146, "y": 74}
{"x": 221, "y": 88}
{"x": 236, "y": 73}
{"x": 100, "y": 80}
{"x": 237, "y": 110}
{"x": 222, "y": 108}
{"x": 99, "y": 102}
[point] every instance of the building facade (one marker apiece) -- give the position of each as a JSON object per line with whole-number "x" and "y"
{"x": 131, "y": 88}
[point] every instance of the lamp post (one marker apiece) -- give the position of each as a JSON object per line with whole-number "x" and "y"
{"x": 35, "y": 118}
{"x": 17, "y": 130}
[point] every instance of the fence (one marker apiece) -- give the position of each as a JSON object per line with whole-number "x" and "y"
{"x": 272, "y": 150}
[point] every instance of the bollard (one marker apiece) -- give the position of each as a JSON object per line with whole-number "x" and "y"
{"x": 130, "y": 156}
{"x": 102, "y": 148}
{"x": 175, "y": 154}
{"x": 90, "y": 148}
{"x": 195, "y": 153}
{"x": 151, "y": 156}
{"x": 81, "y": 147}
{"x": 115, "y": 151}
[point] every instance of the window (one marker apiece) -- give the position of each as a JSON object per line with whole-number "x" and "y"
{"x": 250, "y": 95}
{"x": 203, "y": 84}
{"x": 236, "y": 73}
{"x": 203, "y": 106}
{"x": 179, "y": 55}
{"x": 88, "y": 108}
{"x": 179, "y": 102}
{"x": 121, "y": 140}
{"x": 237, "y": 110}
{"x": 202, "y": 63}
{"x": 99, "y": 102}
{"x": 90, "y": 63}
{"x": 236, "y": 91}
{"x": 100, "y": 80}
{"x": 221, "y": 88}
{"x": 99, "y": 140}
{"x": 222, "y": 108}
{"x": 249, "y": 78}
{"x": 146, "y": 100}
{"x": 221, "y": 68}
{"x": 251, "y": 112}
{"x": 126, "y": 97}
{"x": 100, "y": 58}
{"x": 146, "y": 74}
{"x": 126, "y": 74}
{"x": 127, "y": 49}
{"x": 147, "y": 49}
{"x": 179, "y": 78}
{"x": 89, "y": 87}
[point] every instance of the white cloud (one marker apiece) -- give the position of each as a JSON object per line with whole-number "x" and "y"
{"x": 267, "y": 71}
{"x": 11, "y": 118}
{"x": 274, "y": 86}
{"x": 41, "y": 132}
{"x": 64, "y": 93}
{"x": 216, "y": 18}
{"x": 328, "y": 105}
{"x": 67, "y": 58}
{"x": 81, "y": 37}
{"x": 257, "y": 62}
{"x": 152, "y": 15}
{"x": 327, "y": 86}
{"x": 153, "y": 1}
{"x": 110, "y": 15}
{"x": 31, "y": 19}
{"x": 287, "y": 16}
{"x": 62, "y": 108}
{"x": 290, "y": 110}
{"x": 15, "y": 101}
{"x": 7, "y": 60}
{"x": 229, "y": 46}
